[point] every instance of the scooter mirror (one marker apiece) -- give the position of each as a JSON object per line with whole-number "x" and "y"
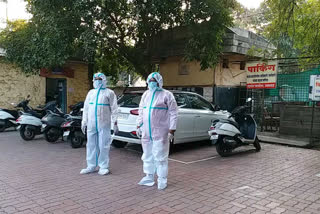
{"x": 217, "y": 108}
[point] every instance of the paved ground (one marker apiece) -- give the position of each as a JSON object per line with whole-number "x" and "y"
{"x": 38, "y": 177}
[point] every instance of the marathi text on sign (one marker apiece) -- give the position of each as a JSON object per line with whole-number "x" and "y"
{"x": 262, "y": 75}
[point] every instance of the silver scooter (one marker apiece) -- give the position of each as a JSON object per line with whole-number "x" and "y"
{"x": 8, "y": 117}
{"x": 240, "y": 129}
{"x": 30, "y": 123}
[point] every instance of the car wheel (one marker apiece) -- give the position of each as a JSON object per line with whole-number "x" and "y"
{"x": 257, "y": 145}
{"x": 119, "y": 144}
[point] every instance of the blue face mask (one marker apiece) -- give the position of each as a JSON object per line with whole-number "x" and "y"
{"x": 97, "y": 83}
{"x": 153, "y": 85}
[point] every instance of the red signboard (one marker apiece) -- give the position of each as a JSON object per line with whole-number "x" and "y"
{"x": 262, "y": 75}
{"x": 65, "y": 71}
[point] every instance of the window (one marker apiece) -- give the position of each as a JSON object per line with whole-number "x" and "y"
{"x": 225, "y": 63}
{"x": 181, "y": 100}
{"x": 130, "y": 100}
{"x": 199, "y": 103}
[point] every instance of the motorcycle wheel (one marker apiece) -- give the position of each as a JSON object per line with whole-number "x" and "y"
{"x": 119, "y": 144}
{"x": 76, "y": 141}
{"x": 257, "y": 145}
{"x": 4, "y": 126}
{"x": 52, "y": 135}
{"x": 27, "y": 134}
{"x": 221, "y": 147}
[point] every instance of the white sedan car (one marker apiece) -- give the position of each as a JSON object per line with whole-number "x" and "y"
{"x": 194, "y": 118}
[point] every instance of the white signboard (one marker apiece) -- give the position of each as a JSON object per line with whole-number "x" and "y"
{"x": 261, "y": 75}
{"x": 314, "y": 92}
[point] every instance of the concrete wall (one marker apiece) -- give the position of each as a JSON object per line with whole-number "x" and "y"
{"x": 176, "y": 72}
{"x": 296, "y": 120}
{"x": 16, "y": 86}
{"x": 231, "y": 76}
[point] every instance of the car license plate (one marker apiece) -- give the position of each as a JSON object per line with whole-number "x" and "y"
{"x": 66, "y": 133}
{"x": 122, "y": 116}
{"x": 214, "y": 137}
{"x": 44, "y": 126}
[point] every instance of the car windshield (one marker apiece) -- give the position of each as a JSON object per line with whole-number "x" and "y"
{"x": 130, "y": 100}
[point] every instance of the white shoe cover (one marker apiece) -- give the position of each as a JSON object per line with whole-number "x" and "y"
{"x": 162, "y": 183}
{"x": 103, "y": 171}
{"x": 148, "y": 180}
{"x": 87, "y": 171}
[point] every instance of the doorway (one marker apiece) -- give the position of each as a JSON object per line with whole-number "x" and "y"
{"x": 56, "y": 90}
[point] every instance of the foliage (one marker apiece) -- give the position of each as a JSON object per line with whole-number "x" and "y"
{"x": 252, "y": 19}
{"x": 115, "y": 35}
{"x": 295, "y": 27}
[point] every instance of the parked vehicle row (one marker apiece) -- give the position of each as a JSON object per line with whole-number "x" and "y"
{"x": 48, "y": 120}
{"x": 196, "y": 116}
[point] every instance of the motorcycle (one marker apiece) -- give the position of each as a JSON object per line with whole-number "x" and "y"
{"x": 8, "y": 117}
{"x": 51, "y": 127}
{"x": 76, "y": 109}
{"x": 29, "y": 123}
{"x": 72, "y": 131}
{"x": 240, "y": 129}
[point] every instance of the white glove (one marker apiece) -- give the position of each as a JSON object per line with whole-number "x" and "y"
{"x": 139, "y": 133}
{"x": 115, "y": 129}
{"x": 170, "y": 137}
{"x": 83, "y": 128}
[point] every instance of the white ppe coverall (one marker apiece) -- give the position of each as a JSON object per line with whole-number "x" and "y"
{"x": 100, "y": 111}
{"x": 157, "y": 115}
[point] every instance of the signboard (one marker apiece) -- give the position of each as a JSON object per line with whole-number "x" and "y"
{"x": 314, "y": 92}
{"x": 261, "y": 75}
{"x": 65, "y": 71}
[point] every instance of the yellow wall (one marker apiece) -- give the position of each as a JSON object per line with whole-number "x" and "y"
{"x": 15, "y": 86}
{"x": 231, "y": 76}
{"x": 169, "y": 70}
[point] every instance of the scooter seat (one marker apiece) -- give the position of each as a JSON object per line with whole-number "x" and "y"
{"x": 230, "y": 122}
{"x": 12, "y": 112}
{"x": 35, "y": 114}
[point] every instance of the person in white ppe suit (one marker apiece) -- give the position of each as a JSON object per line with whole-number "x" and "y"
{"x": 156, "y": 124}
{"x": 99, "y": 113}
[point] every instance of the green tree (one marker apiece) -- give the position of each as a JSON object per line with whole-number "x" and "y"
{"x": 252, "y": 19}
{"x": 295, "y": 27}
{"x": 116, "y": 35}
